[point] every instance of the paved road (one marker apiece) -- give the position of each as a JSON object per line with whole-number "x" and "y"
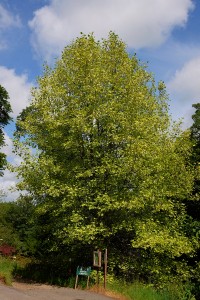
{"x": 52, "y": 293}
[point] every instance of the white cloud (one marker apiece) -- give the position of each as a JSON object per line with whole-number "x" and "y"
{"x": 8, "y": 180}
{"x": 7, "y": 148}
{"x": 17, "y": 87}
{"x": 7, "y": 185}
{"x": 141, "y": 23}
{"x": 7, "y": 20}
{"x": 185, "y": 89}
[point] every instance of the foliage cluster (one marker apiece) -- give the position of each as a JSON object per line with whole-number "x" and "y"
{"x": 5, "y": 110}
{"x": 17, "y": 227}
{"x": 7, "y": 267}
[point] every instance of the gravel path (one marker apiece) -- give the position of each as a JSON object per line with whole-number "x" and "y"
{"x": 21, "y": 291}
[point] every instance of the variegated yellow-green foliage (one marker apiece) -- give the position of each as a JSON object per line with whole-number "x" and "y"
{"x": 106, "y": 161}
{"x": 5, "y": 110}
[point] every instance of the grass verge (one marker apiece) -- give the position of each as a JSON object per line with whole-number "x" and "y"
{"x": 134, "y": 291}
{"x": 139, "y": 291}
{"x": 7, "y": 266}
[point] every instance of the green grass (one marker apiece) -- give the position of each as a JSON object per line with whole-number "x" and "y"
{"x": 139, "y": 291}
{"x": 7, "y": 266}
{"x": 134, "y": 291}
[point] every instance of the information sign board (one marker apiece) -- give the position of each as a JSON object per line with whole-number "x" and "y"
{"x": 83, "y": 271}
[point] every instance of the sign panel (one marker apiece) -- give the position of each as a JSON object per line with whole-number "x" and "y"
{"x": 83, "y": 271}
{"x": 97, "y": 258}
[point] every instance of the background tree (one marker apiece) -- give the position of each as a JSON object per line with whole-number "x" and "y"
{"x": 21, "y": 217}
{"x": 5, "y": 110}
{"x": 195, "y": 136}
{"x": 107, "y": 169}
{"x": 7, "y": 234}
{"x": 193, "y": 204}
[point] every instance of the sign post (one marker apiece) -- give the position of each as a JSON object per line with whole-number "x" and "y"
{"x": 97, "y": 262}
{"x": 105, "y": 266}
{"x": 83, "y": 272}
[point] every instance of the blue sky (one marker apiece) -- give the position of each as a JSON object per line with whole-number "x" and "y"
{"x": 164, "y": 33}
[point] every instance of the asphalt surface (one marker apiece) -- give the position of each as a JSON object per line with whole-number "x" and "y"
{"x": 51, "y": 293}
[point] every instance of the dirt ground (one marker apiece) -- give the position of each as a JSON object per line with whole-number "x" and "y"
{"x": 24, "y": 291}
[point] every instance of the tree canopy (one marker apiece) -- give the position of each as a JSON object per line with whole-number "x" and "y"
{"x": 100, "y": 155}
{"x": 195, "y": 132}
{"x": 5, "y": 110}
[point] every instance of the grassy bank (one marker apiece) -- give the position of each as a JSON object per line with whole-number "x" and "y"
{"x": 7, "y": 266}
{"x": 134, "y": 291}
{"x": 139, "y": 291}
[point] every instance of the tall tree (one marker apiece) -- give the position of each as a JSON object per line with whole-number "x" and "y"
{"x": 5, "y": 110}
{"x": 107, "y": 165}
{"x": 194, "y": 206}
{"x": 192, "y": 203}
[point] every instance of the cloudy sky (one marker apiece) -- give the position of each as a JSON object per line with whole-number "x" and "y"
{"x": 164, "y": 33}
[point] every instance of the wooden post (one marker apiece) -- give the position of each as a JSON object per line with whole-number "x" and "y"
{"x": 76, "y": 281}
{"x": 98, "y": 278}
{"x": 88, "y": 282}
{"x": 105, "y": 266}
